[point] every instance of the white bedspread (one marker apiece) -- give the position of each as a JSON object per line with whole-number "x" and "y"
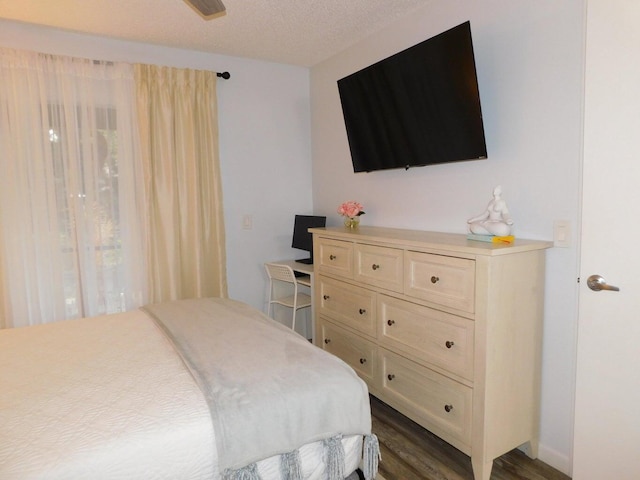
{"x": 104, "y": 397}
{"x": 108, "y": 398}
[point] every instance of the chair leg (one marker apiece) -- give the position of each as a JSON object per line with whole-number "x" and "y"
{"x": 295, "y": 307}
{"x": 270, "y": 298}
{"x": 293, "y": 321}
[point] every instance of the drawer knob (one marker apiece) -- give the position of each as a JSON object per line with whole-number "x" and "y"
{"x": 448, "y": 408}
{"x": 363, "y": 361}
{"x": 362, "y": 311}
{"x": 327, "y": 341}
{"x": 332, "y": 257}
{"x": 391, "y": 376}
{"x": 325, "y": 297}
{"x": 435, "y": 279}
{"x": 375, "y": 266}
{"x": 449, "y": 344}
{"x": 390, "y": 322}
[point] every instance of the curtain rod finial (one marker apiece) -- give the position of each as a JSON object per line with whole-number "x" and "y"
{"x": 225, "y": 75}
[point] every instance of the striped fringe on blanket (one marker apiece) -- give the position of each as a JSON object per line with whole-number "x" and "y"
{"x": 291, "y": 468}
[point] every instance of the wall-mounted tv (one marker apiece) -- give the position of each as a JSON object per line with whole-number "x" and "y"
{"x": 418, "y": 107}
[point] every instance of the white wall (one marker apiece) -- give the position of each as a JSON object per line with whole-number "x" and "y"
{"x": 264, "y": 142}
{"x": 529, "y": 57}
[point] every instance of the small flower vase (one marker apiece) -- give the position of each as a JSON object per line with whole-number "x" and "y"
{"x": 352, "y": 222}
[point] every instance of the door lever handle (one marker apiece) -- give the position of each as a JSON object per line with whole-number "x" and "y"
{"x": 597, "y": 283}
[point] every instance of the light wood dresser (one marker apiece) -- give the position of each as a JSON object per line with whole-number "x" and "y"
{"x": 444, "y": 329}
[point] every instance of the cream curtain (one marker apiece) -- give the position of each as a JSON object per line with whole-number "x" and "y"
{"x": 177, "y": 111}
{"x": 71, "y": 230}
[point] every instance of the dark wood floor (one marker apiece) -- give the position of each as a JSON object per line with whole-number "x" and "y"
{"x": 409, "y": 452}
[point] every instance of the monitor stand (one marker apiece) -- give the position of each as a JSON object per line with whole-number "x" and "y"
{"x": 306, "y": 261}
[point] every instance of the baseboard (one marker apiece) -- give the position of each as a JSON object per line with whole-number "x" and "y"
{"x": 557, "y": 460}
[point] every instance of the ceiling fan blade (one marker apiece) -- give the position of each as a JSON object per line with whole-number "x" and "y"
{"x": 207, "y": 7}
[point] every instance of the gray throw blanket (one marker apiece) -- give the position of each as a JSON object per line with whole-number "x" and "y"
{"x": 269, "y": 391}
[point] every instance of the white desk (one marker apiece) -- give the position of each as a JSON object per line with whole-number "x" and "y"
{"x": 306, "y": 280}
{"x": 302, "y": 268}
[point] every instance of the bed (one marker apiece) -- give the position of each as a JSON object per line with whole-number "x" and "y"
{"x": 192, "y": 389}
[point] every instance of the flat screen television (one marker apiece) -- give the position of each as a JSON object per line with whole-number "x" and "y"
{"x": 418, "y": 107}
{"x": 302, "y": 239}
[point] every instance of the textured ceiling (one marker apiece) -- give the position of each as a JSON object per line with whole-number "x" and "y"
{"x": 297, "y": 32}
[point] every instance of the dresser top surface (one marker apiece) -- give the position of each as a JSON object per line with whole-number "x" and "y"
{"x": 437, "y": 240}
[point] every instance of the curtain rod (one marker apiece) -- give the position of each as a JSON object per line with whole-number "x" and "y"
{"x": 224, "y": 75}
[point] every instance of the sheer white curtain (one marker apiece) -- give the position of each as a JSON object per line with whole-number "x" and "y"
{"x": 71, "y": 226}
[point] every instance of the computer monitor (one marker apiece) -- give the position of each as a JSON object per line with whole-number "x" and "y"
{"x": 302, "y": 239}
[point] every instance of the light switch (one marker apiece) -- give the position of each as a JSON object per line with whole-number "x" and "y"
{"x": 562, "y": 233}
{"x": 247, "y": 221}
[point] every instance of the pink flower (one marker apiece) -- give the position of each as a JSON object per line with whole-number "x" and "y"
{"x": 351, "y": 209}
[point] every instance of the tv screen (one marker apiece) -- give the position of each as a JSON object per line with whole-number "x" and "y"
{"x": 418, "y": 107}
{"x": 302, "y": 239}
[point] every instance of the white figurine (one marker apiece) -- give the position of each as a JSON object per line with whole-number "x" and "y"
{"x": 495, "y": 220}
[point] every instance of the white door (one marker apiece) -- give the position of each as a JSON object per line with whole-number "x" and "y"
{"x": 607, "y": 422}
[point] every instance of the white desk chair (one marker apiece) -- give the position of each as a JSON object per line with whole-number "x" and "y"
{"x": 282, "y": 282}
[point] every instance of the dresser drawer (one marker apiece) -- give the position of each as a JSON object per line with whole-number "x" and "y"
{"x": 443, "y": 280}
{"x": 440, "y": 404}
{"x": 379, "y": 266}
{"x": 334, "y": 257}
{"x": 358, "y": 353}
{"x": 347, "y": 305}
{"x": 441, "y": 339}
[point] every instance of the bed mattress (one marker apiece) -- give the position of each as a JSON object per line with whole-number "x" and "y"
{"x": 109, "y": 398}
